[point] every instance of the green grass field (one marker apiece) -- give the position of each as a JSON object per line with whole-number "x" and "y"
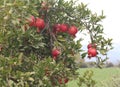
{"x": 100, "y": 75}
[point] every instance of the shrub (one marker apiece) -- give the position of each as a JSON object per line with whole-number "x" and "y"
{"x": 109, "y": 64}
{"x": 87, "y": 80}
{"x": 37, "y": 41}
{"x": 83, "y": 65}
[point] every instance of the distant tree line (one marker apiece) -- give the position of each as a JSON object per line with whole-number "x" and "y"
{"x": 93, "y": 65}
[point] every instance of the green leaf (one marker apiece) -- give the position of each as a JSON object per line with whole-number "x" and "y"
{"x": 83, "y": 55}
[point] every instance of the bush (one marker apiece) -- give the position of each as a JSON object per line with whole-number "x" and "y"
{"x": 83, "y": 65}
{"x": 87, "y": 80}
{"x": 37, "y": 41}
{"x": 109, "y": 64}
{"x": 118, "y": 64}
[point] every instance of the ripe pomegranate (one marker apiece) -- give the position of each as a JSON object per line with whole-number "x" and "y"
{"x": 55, "y": 53}
{"x": 73, "y": 30}
{"x": 63, "y": 80}
{"x": 31, "y": 21}
{"x": 40, "y": 23}
{"x": 92, "y": 52}
{"x": 66, "y": 80}
{"x": 90, "y": 45}
{"x": 64, "y": 27}
{"x": 60, "y": 81}
{"x": 56, "y": 28}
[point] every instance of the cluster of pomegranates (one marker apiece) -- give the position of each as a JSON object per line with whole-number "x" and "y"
{"x": 40, "y": 24}
{"x": 92, "y": 52}
{"x": 36, "y": 22}
{"x": 72, "y": 30}
{"x": 61, "y": 81}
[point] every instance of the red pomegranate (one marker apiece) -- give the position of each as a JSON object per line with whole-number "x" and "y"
{"x": 92, "y": 52}
{"x": 40, "y": 23}
{"x": 60, "y": 81}
{"x": 55, "y": 53}
{"x": 31, "y": 21}
{"x": 63, "y": 80}
{"x": 90, "y": 45}
{"x": 56, "y": 28}
{"x": 64, "y": 27}
{"x": 73, "y": 30}
{"x": 66, "y": 80}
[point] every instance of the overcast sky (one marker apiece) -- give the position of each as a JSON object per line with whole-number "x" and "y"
{"x": 111, "y": 23}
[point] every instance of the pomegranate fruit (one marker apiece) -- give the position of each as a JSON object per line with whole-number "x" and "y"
{"x": 66, "y": 80}
{"x": 56, "y": 28}
{"x": 92, "y": 52}
{"x": 90, "y": 45}
{"x": 63, "y": 80}
{"x": 63, "y": 27}
{"x": 40, "y": 23}
{"x": 55, "y": 53}
{"x": 73, "y": 30}
{"x": 60, "y": 81}
{"x": 31, "y": 21}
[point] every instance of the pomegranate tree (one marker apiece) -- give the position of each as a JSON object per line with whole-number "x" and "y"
{"x": 37, "y": 41}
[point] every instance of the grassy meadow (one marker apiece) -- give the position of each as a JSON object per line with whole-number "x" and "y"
{"x": 102, "y": 76}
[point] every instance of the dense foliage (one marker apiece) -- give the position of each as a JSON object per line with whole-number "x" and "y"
{"x": 37, "y": 44}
